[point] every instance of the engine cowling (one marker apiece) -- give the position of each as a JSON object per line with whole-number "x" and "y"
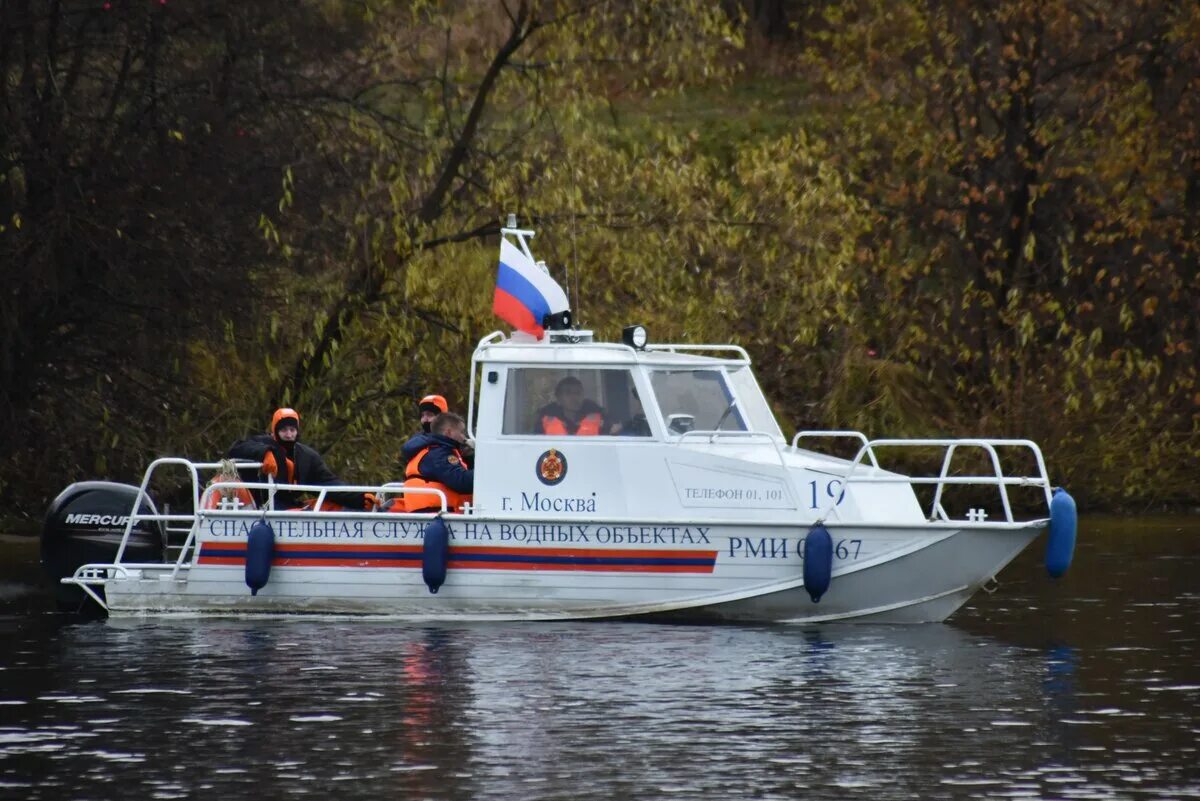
{"x": 85, "y": 524}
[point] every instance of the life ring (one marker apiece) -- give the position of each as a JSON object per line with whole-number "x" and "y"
{"x": 240, "y": 496}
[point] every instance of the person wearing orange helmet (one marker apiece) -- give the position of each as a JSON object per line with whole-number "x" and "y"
{"x": 430, "y": 407}
{"x": 290, "y": 461}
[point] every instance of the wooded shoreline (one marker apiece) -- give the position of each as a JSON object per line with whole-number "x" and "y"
{"x": 921, "y": 219}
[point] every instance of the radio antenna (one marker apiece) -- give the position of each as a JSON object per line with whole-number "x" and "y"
{"x": 575, "y": 313}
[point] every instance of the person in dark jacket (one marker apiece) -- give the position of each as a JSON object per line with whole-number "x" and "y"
{"x": 435, "y": 461}
{"x": 290, "y": 461}
{"x": 571, "y": 414}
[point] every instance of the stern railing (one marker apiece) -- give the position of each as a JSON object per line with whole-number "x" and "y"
{"x": 98, "y": 574}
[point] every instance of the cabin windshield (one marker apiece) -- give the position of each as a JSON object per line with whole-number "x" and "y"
{"x": 548, "y": 401}
{"x": 699, "y": 400}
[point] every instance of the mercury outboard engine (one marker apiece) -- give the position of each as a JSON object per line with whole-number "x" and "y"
{"x": 85, "y": 524}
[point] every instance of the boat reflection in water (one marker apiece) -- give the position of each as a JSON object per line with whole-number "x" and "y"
{"x": 1043, "y": 690}
{"x": 878, "y": 708}
{"x": 496, "y": 711}
{"x": 222, "y": 708}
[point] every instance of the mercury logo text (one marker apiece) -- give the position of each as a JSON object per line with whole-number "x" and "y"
{"x": 96, "y": 520}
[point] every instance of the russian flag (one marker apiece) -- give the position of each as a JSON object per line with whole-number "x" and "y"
{"x": 524, "y": 292}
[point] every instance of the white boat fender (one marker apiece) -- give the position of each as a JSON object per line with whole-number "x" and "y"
{"x": 818, "y": 562}
{"x": 260, "y": 550}
{"x": 435, "y": 553}
{"x": 1060, "y": 543}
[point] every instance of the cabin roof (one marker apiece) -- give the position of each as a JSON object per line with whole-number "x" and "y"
{"x": 605, "y": 354}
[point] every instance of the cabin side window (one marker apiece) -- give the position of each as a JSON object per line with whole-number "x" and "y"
{"x": 699, "y": 400}
{"x": 543, "y": 401}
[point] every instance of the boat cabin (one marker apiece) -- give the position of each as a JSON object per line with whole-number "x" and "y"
{"x": 673, "y": 429}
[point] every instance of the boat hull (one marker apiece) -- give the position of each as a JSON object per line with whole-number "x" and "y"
{"x": 536, "y": 570}
{"x": 925, "y": 586}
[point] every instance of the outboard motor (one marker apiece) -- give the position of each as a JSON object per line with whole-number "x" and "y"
{"x": 85, "y": 524}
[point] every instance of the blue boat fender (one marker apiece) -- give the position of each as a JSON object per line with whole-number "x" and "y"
{"x": 1060, "y": 544}
{"x": 260, "y": 550}
{"x": 818, "y": 562}
{"x": 435, "y": 554}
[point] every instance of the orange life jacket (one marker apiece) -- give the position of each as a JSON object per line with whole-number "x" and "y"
{"x": 422, "y": 503}
{"x": 588, "y": 427}
{"x": 327, "y": 505}
{"x": 242, "y": 496}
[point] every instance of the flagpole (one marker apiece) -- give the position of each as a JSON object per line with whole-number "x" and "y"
{"x": 527, "y": 296}
{"x": 519, "y": 234}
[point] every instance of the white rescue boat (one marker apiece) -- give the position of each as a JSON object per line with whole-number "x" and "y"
{"x": 694, "y": 507}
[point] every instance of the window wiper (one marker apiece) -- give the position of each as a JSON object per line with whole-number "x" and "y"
{"x": 725, "y": 414}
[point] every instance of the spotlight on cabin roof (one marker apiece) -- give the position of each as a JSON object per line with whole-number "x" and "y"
{"x": 634, "y": 336}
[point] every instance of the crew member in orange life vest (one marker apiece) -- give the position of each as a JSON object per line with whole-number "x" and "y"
{"x": 571, "y": 413}
{"x": 430, "y": 407}
{"x": 292, "y": 462}
{"x": 435, "y": 460}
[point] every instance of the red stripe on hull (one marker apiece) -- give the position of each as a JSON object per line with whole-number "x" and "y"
{"x": 588, "y": 568}
{"x": 461, "y": 558}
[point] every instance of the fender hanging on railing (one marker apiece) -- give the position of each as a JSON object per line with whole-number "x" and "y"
{"x": 818, "y": 562}
{"x": 1060, "y": 542}
{"x": 435, "y": 554}
{"x": 260, "y": 550}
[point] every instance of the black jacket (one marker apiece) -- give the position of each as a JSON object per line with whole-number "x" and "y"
{"x": 437, "y": 465}
{"x": 310, "y": 469}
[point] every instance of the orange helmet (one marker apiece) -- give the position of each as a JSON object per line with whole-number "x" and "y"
{"x": 283, "y": 414}
{"x": 436, "y": 401}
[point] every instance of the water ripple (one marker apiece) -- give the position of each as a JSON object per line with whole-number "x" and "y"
{"x": 1044, "y": 690}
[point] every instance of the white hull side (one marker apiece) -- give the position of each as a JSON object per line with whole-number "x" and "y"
{"x": 924, "y": 586}
{"x": 728, "y": 572}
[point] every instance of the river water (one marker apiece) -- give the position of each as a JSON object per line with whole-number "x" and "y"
{"x": 1084, "y": 688}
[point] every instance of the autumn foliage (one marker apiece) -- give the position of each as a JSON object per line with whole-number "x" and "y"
{"x": 920, "y": 218}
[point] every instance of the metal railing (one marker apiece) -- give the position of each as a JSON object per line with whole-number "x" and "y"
{"x": 835, "y": 435}
{"x": 322, "y": 490}
{"x": 193, "y": 468}
{"x": 90, "y": 576}
{"x": 936, "y": 511}
{"x": 743, "y": 356}
{"x": 867, "y": 451}
{"x": 201, "y": 499}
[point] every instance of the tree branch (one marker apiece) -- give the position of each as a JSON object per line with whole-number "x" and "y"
{"x": 522, "y": 29}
